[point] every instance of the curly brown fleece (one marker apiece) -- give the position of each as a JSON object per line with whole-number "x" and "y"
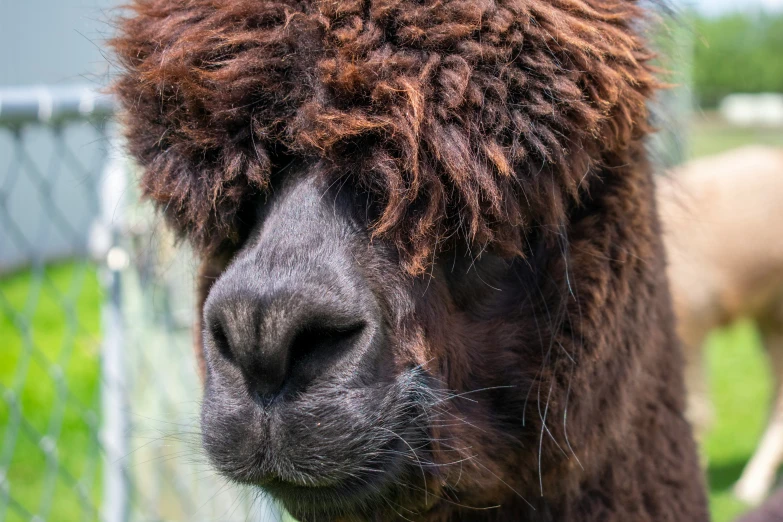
{"x": 464, "y": 118}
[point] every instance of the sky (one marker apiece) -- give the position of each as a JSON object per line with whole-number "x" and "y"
{"x": 719, "y": 6}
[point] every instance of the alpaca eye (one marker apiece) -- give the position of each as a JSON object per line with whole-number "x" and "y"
{"x": 370, "y": 206}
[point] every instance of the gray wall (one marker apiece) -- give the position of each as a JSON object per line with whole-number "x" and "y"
{"x": 53, "y": 41}
{"x": 50, "y": 42}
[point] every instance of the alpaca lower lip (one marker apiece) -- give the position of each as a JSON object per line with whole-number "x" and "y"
{"x": 299, "y": 499}
{"x": 324, "y": 495}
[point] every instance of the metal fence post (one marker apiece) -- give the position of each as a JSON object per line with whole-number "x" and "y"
{"x": 115, "y": 434}
{"x": 673, "y": 107}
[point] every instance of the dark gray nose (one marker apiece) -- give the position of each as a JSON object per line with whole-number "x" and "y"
{"x": 282, "y": 336}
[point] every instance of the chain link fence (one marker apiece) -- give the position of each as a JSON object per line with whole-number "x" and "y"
{"x": 99, "y": 394}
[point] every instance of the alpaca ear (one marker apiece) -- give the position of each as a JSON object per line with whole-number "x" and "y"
{"x": 209, "y": 271}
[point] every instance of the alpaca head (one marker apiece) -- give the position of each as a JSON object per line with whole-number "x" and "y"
{"x": 335, "y": 380}
{"x": 386, "y": 189}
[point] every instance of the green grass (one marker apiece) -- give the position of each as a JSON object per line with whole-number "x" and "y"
{"x": 711, "y": 136}
{"x": 741, "y": 389}
{"x": 49, "y": 326}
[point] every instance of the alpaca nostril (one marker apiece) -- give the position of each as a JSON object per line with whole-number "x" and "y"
{"x": 295, "y": 354}
{"x": 220, "y": 340}
{"x": 316, "y": 345}
{"x": 322, "y": 339}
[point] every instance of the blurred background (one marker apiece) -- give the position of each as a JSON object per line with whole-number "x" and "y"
{"x": 98, "y": 387}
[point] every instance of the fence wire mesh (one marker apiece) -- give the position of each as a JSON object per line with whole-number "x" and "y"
{"x": 99, "y": 393}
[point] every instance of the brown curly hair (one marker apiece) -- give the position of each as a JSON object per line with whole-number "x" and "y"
{"x": 464, "y": 118}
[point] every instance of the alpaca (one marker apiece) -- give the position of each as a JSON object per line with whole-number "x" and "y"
{"x": 720, "y": 218}
{"x": 433, "y": 281}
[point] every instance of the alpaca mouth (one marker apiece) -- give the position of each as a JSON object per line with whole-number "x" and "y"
{"x": 346, "y": 495}
{"x": 333, "y": 451}
{"x": 350, "y": 494}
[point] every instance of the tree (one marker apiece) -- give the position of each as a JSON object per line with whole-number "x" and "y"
{"x": 737, "y": 53}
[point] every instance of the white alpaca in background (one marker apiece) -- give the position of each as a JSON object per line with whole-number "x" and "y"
{"x": 723, "y": 230}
